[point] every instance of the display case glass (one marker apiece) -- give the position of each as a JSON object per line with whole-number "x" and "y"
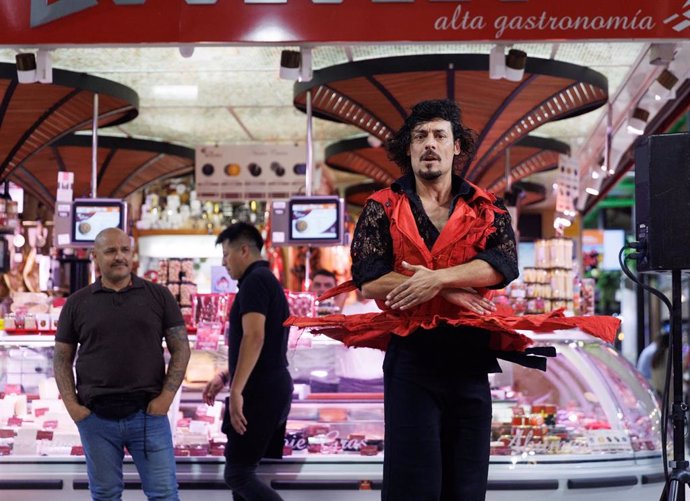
{"x": 590, "y": 403}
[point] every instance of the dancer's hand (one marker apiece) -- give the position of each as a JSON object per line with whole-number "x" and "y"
{"x": 470, "y": 300}
{"x": 418, "y": 289}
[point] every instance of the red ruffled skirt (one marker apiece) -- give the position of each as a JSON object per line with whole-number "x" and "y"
{"x": 374, "y": 330}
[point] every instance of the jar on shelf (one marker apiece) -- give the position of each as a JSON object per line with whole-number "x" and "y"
{"x": 10, "y": 321}
{"x": 30, "y": 322}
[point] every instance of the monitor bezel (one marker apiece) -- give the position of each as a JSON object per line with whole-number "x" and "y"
{"x": 95, "y": 202}
{"x": 316, "y": 200}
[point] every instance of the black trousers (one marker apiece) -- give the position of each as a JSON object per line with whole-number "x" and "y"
{"x": 266, "y": 407}
{"x": 438, "y": 427}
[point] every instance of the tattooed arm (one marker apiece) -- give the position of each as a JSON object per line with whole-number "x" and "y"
{"x": 178, "y": 346}
{"x": 63, "y": 360}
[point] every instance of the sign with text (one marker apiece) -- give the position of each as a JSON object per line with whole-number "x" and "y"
{"x": 251, "y": 21}
{"x": 250, "y": 172}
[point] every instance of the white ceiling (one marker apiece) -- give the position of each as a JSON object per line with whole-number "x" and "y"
{"x": 240, "y": 99}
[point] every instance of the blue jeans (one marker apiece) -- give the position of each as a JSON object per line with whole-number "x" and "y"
{"x": 147, "y": 438}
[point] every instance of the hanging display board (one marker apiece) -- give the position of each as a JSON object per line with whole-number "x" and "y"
{"x": 250, "y": 172}
{"x": 293, "y": 21}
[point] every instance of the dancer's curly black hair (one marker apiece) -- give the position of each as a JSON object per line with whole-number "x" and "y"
{"x": 425, "y": 111}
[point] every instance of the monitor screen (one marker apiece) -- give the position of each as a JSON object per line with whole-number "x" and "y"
{"x": 315, "y": 219}
{"x": 92, "y": 215}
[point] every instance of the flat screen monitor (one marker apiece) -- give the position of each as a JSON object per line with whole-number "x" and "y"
{"x": 315, "y": 220}
{"x": 92, "y": 215}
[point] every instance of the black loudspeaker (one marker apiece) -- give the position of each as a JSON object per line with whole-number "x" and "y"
{"x": 662, "y": 201}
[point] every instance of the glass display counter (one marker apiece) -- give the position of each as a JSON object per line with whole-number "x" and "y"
{"x": 587, "y": 428}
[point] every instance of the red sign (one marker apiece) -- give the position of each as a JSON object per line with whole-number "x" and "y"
{"x": 44, "y": 435}
{"x": 54, "y": 22}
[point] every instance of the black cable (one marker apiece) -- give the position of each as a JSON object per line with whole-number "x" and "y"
{"x": 669, "y": 360}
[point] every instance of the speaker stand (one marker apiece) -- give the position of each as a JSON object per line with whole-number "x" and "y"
{"x": 679, "y": 475}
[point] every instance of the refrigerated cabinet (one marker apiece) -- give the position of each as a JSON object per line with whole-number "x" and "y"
{"x": 588, "y": 428}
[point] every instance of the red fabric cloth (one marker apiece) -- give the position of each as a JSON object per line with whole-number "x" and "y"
{"x": 462, "y": 238}
{"x": 373, "y": 330}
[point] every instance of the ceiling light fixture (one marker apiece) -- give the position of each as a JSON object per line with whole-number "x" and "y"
{"x": 661, "y": 54}
{"x": 663, "y": 86}
{"x": 592, "y": 191}
{"x": 515, "y": 65}
{"x": 638, "y": 121}
{"x": 44, "y": 66}
{"x": 33, "y": 68}
{"x": 289, "y": 64}
{"x": 497, "y": 62}
{"x": 26, "y": 67}
{"x": 296, "y": 65}
{"x": 186, "y": 51}
{"x": 306, "y": 72}
{"x": 510, "y": 66}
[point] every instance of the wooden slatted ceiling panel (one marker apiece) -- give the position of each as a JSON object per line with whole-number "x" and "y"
{"x": 562, "y": 105}
{"x": 127, "y": 170}
{"x": 330, "y": 103}
{"x": 523, "y": 100}
{"x": 47, "y": 113}
{"x": 541, "y": 162}
{"x": 122, "y": 164}
{"x": 25, "y": 109}
{"x": 535, "y": 157}
{"x": 379, "y": 156}
{"x": 526, "y": 106}
{"x": 352, "y": 162}
{"x": 25, "y": 179}
{"x": 165, "y": 166}
{"x": 370, "y": 162}
{"x": 479, "y": 97}
{"x": 357, "y": 194}
{"x": 44, "y": 168}
{"x": 500, "y": 111}
{"x": 408, "y": 89}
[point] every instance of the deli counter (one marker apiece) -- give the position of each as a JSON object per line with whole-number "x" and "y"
{"x": 588, "y": 428}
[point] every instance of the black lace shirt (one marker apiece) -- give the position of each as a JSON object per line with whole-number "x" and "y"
{"x": 372, "y": 245}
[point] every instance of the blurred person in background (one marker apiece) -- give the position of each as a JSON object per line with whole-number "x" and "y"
{"x": 359, "y": 370}
{"x": 658, "y": 364}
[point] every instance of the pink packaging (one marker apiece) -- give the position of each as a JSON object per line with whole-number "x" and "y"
{"x": 302, "y": 304}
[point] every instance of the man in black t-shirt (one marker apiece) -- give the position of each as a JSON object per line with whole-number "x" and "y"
{"x": 123, "y": 391}
{"x": 260, "y": 384}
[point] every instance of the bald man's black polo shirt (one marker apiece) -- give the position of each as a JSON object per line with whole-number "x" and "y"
{"x": 119, "y": 336}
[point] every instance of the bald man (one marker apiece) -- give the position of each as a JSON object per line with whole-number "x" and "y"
{"x": 123, "y": 391}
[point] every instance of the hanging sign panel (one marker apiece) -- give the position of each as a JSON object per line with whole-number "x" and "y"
{"x": 250, "y": 172}
{"x": 293, "y": 21}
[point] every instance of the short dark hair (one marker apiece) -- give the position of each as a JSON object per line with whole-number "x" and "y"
{"x": 241, "y": 232}
{"x": 325, "y": 273}
{"x": 426, "y": 111}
